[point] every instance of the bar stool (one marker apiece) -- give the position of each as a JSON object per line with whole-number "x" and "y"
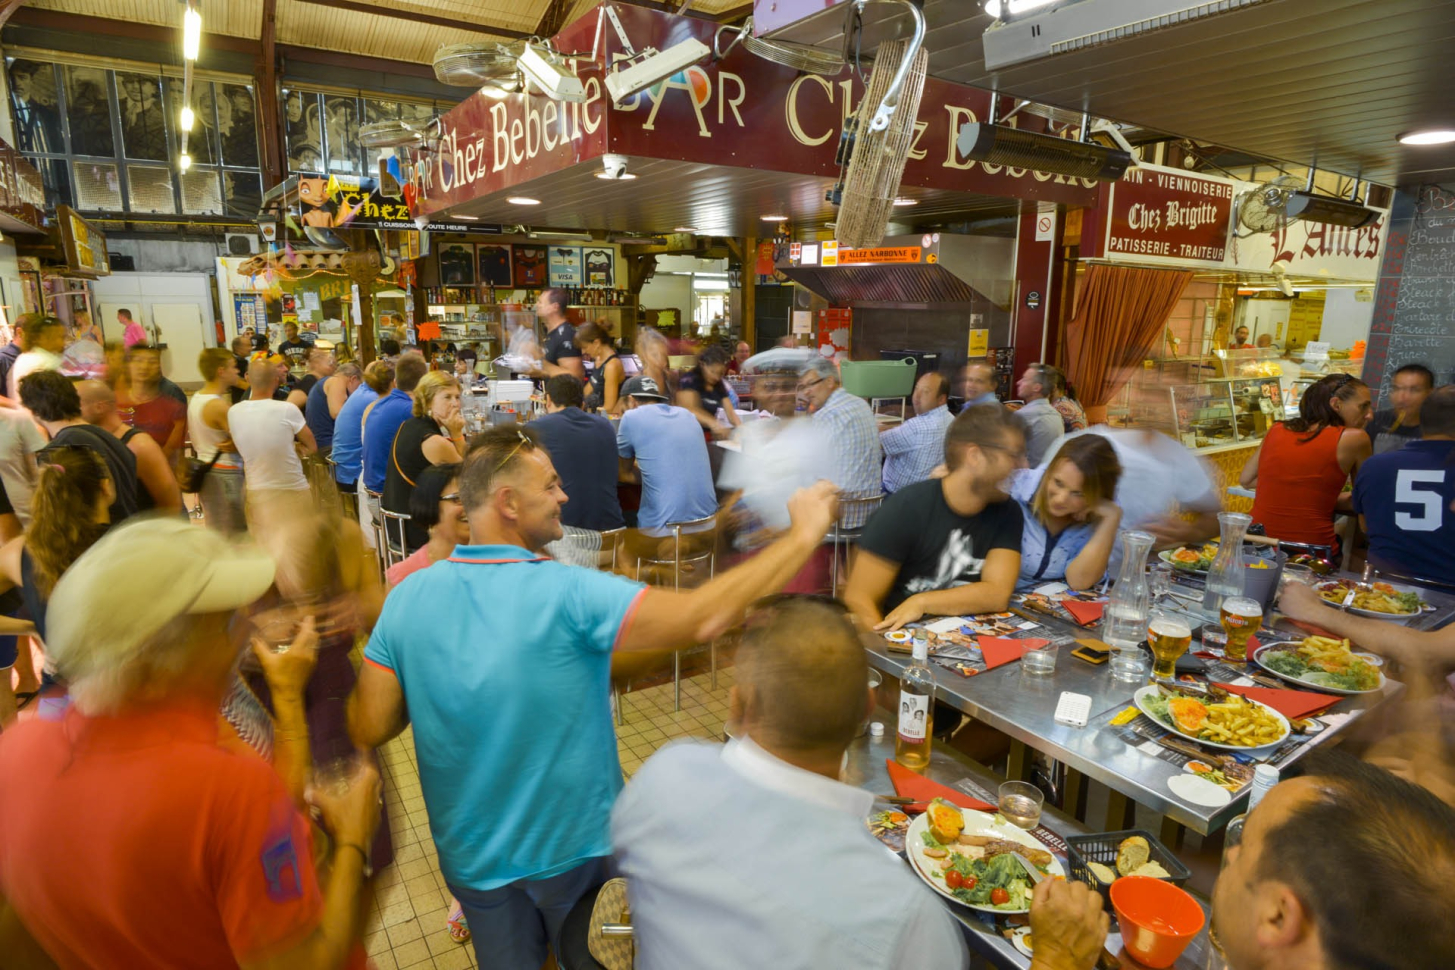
{"x": 376, "y": 524}
{"x": 705, "y": 529}
{"x": 840, "y": 536}
{"x": 348, "y": 501}
{"x": 394, "y": 551}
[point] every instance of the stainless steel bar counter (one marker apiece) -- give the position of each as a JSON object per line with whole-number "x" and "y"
{"x": 865, "y": 768}
{"x": 1021, "y": 705}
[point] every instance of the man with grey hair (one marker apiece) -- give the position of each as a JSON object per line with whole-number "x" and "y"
{"x": 853, "y": 434}
{"x": 326, "y": 399}
{"x": 137, "y": 838}
{"x": 519, "y": 797}
{"x": 1042, "y": 422}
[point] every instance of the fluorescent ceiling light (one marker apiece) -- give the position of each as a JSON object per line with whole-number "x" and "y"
{"x": 186, "y": 118}
{"x": 191, "y": 34}
{"x": 547, "y": 70}
{"x": 906, "y": 201}
{"x": 774, "y": 218}
{"x": 466, "y": 218}
{"x": 1428, "y": 136}
{"x": 999, "y": 8}
{"x": 523, "y": 200}
{"x": 654, "y": 66}
{"x": 684, "y": 229}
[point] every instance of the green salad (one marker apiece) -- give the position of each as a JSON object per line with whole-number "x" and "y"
{"x": 998, "y": 882}
{"x": 1341, "y": 674}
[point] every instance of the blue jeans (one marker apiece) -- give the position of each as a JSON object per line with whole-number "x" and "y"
{"x": 511, "y": 926}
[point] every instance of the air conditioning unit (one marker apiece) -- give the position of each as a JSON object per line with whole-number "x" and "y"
{"x": 1028, "y": 33}
{"x": 241, "y": 244}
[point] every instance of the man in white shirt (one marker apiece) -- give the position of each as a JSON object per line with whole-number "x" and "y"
{"x": 1041, "y": 421}
{"x": 20, "y": 439}
{"x": 269, "y": 435}
{"x": 44, "y": 339}
{"x": 753, "y": 854}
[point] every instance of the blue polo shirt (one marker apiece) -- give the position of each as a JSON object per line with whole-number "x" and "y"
{"x": 668, "y": 445}
{"x": 348, "y": 441}
{"x": 1404, "y": 496}
{"x": 384, "y": 421}
{"x": 505, "y": 661}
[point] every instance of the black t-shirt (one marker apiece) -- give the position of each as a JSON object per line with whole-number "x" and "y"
{"x": 406, "y": 462}
{"x": 561, "y": 342}
{"x": 583, "y": 448}
{"x": 305, "y": 384}
{"x": 1385, "y": 435}
{"x": 934, "y": 547}
{"x": 120, "y": 462}
{"x": 297, "y": 353}
{"x": 713, "y": 397}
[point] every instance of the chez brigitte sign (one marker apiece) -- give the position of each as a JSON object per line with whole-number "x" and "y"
{"x": 741, "y": 111}
{"x": 1168, "y": 214}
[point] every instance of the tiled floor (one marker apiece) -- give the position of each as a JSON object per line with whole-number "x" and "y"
{"x": 406, "y": 924}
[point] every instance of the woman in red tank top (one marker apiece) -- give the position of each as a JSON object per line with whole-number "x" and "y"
{"x": 1303, "y": 463}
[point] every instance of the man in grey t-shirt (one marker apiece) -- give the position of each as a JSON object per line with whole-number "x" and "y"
{"x": 1042, "y": 422}
{"x": 20, "y": 439}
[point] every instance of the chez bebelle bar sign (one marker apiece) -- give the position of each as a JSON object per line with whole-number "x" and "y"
{"x": 741, "y": 111}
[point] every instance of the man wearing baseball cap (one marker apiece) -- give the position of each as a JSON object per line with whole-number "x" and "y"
{"x": 671, "y": 457}
{"x": 131, "y": 837}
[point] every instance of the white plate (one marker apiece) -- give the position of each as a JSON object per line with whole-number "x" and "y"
{"x": 1166, "y": 556}
{"x": 1139, "y": 698}
{"x": 1293, "y": 647}
{"x": 1375, "y": 614}
{"x": 1199, "y": 791}
{"x": 976, "y": 823}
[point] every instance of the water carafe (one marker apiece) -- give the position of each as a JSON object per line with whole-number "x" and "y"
{"x": 1126, "y": 612}
{"x": 1227, "y": 574}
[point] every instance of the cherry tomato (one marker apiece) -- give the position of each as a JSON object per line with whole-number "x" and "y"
{"x": 968, "y": 882}
{"x": 999, "y": 896}
{"x": 953, "y": 879}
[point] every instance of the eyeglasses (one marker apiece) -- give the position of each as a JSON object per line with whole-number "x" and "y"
{"x": 451, "y": 497}
{"x": 524, "y": 441}
{"x": 1018, "y": 456}
{"x": 810, "y": 385}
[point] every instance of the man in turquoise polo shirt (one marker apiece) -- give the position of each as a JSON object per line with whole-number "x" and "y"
{"x": 501, "y": 659}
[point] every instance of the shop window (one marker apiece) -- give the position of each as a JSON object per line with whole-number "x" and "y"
{"x": 341, "y": 134}
{"x": 243, "y": 193}
{"x": 303, "y": 131}
{"x": 323, "y": 129}
{"x": 238, "y": 122}
{"x": 151, "y": 189}
{"x": 203, "y": 139}
{"x": 98, "y": 186}
{"x": 88, "y": 109}
{"x": 201, "y": 192}
{"x": 143, "y": 119}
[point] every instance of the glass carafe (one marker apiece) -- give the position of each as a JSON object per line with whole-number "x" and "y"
{"x": 1228, "y": 573}
{"x": 1126, "y": 612}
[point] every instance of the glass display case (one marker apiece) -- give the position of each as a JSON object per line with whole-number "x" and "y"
{"x": 1216, "y": 413}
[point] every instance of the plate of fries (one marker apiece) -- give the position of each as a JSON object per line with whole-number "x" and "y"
{"x": 1323, "y": 664}
{"x": 1379, "y": 601}
{"x": 1214, "y": 718}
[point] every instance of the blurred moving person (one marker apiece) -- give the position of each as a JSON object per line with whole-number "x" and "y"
{"x": 1393, "y": 427}
{"x": 826, "y": 897}
{"x": 977, "y": 383}
{"x": 159, "y": 489}
{"x": 143, "y": 403}
{"x": 559, "y": 353}
{"x": 1073, "y": 417}
{"x": 221, "y": 494}
{"x": 43, "y": 338}
{"x": 53, "y": 399}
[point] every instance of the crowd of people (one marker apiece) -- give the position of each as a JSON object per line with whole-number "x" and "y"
{"x": 198, "y": 789}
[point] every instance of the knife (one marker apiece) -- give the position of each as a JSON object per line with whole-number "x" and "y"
{"x": 1105, "y": 960}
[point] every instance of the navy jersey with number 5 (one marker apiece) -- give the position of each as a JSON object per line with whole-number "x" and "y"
{"x": 1405, "y": 497}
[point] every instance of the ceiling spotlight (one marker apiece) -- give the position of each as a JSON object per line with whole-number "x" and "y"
{"x": 901, "y": 200}
{"x": 184, "y": 162}
{"x": 548, "y": 71}
{"x": 1428, "y": 136}
{"x": 191, "y": 33}
{"x": 184, "y": 121}
{"x": 1001, "y": 145}
{"x": 523, "y": 200}
{"x": 774, "y": 218}
{"x": 1327, "y": 209}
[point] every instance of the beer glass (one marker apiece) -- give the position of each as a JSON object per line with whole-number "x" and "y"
{"x": 1241, "y": 618}
{"x": 1170, "y": 636}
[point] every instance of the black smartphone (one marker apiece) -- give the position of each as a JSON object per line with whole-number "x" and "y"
{"x": 1091, "y": 654}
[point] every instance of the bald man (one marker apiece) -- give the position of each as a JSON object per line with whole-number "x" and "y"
{"x": 159, "y": 486}
{"x": 977, "y": 384}
{"x": 768, "y": 817}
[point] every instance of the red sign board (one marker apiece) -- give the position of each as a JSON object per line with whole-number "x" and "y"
{"x": 741, "y": 111}
{"x": 22, "y": 194}
{"x": 1164, "y": 214}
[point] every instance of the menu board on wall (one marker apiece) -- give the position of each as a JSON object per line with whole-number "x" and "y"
{"x": 84, "y": 244}
{"x": 1416, "y": 290}
{"x": 565, "y": 263}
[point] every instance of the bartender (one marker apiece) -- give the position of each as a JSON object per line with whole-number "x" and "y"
{"x": 1240, "y": 340}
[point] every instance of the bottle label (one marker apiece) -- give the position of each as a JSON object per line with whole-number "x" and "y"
{"x": 914, "y": 716}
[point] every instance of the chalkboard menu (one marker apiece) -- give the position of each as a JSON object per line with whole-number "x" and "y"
{"x": 1414, "y": 313}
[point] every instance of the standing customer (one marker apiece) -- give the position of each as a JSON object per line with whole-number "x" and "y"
{"x": 269, "y": 435}
{"x": 433, "y": 436}
{"x": 1301, "y": 467}
{"x": 704, "y": 392}
{"x": 518, "y": 801}
{"x": 20, "y": 440}
{"x": 143, "y": 404}
{"x": 159, "y": 489}
{"x": 222, "y": 487}
{"x": 52, "y": 398}
{"x": 914, "y": 448}
{"x": 559, "y": 354}
{"x": 43, "y": 339}
{"x": 1404, "y": 497}
{"x": 852, "y": 432}
{"x": 1042, "y": 422}
{"x": 12, "y": 350}
{"x": 348, "y": 428}
{"x": 583, "y": 449}
{"x": 606, "y": 370}
{"x": 321, "y": 366}
{"x": 294, "y": 350}
{"x": 1070, "y": 519}
{"x": 326, "y": 400}
{"x": 1391, "y": 428}
{"x": 137, "y": 840}
{"x": 698, "y": 807}
{"x": 132, "y": 333}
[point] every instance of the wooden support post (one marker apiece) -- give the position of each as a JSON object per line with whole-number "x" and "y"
{"x": 748, "y": 261}
{"x": 269, "y": 115}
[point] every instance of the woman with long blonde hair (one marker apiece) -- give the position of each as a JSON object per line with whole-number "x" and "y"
{"x": 1069, "y": 519}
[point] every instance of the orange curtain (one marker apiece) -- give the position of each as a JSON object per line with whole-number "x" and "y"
{"x": 1121, "y": 313}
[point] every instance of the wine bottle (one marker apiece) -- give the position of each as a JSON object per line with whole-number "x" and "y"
{"x": 916, "y": 709}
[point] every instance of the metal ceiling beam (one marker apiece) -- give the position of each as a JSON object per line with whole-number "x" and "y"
{"x": 104, "y": 27}
{"x": 362, "y": 62}
{"x": 354, "y": 6}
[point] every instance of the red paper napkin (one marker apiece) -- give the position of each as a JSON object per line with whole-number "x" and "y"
{"x": 912, "y": 784}
{"x": 1002, "y": 650}
{"x": 1292, "y": 704}
{"x": 1085, "y": 613}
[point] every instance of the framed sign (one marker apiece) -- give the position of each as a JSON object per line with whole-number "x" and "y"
{"x": 530, "y": 265}
{"x": 600, "y": 264}
{"x": 494, "y": 263}
{"x": 565, "y": 266}
{"x": 457, "y": 264}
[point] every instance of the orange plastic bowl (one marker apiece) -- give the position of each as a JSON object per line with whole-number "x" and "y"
{"x": 1157, "y": 919}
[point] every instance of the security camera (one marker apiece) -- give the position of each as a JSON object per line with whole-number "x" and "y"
{"x": 613, "y": 166}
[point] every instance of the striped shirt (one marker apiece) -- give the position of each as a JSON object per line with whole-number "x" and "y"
{"x": 854, "y": 437}
{"x": 912, "y": 450}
